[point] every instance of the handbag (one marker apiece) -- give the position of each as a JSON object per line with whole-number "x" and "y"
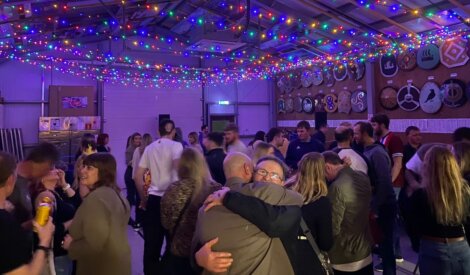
{"x": 322, "y": 256}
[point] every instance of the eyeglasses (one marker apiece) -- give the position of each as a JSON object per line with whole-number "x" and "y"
{"x": 265, "y": 174}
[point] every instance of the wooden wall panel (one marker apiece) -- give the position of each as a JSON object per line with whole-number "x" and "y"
{"x": 419, "y": 77}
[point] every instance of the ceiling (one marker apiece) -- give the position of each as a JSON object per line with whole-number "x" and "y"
{"x": 215, "y": 40}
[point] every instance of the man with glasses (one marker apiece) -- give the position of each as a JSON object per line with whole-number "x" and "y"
{"x": 252, "y": 251}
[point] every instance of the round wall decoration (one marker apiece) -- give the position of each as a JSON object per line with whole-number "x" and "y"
{"x": 408, "y": 98}
{"x": 340, "y": 72}
{"x": 319, "y": 103}
{"x": 307, "y": 78}
{"x": 290, "y": 105}
{"x": 344, "y": 102}
{"x": 428, "y": 57}
{"x": 453, "y": 52}
{"x": 359, "y": 101}
{"x": 307, "y": 105}
{"x": 388, "y": 98}
{"x": 430, "y": 98}
{"x": 331, "y": 103}
{"x": 453, "y": 92}
{"x": 317, "y": 76}
{"x": 298, "y": 104}
{"x": 388, "y": 65}
{"x": 356, "y": 70}
{"x": 329, "y": 77}
{"x": 281, "y": 106}
{"x": 407, "y": 60}
{"x": 281, "y": 84}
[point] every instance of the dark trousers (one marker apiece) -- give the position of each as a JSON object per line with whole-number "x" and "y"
{"x": 386, "y": 221}
{"x": 153, "y": 236}
{"x": 174, "y": 265}
{"x": 132, "y": 194}
{"x": 368, "y": 270}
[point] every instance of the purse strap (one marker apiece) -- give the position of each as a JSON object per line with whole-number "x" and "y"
{"x": 310, "y": 239}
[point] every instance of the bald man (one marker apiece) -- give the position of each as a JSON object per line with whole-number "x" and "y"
{"x": 253, "y": 251}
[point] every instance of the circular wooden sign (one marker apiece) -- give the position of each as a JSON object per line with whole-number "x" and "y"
{"x": 408, "y": 98}
{"x": 331, "y": 102}
{"x": 388, "y": 98}
{"x": 430, "y": 98}
{"x": 359, "y": 101}
{"x": 453, "y": 92}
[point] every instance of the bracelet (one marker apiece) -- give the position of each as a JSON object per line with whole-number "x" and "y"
{"x": 43, "y": 248}
{"x": 66, "y": 187}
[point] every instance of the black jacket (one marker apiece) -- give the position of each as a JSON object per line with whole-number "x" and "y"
{"x": 215, "y": 160}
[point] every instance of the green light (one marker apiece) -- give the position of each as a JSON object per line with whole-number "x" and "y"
{"x": 171, "y": 13}
{"x": 325, "y": 26}
{"x": 252, "y": 33}
{"x": 200, "y": 21}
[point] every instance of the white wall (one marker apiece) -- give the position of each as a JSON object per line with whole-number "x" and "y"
{"x": 128, "y": 110}
{"x": 249, "y": 101}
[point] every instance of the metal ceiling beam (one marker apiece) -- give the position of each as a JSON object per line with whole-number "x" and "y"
{"x": 443, "y": 5}
{"x": 460, "y": 6}
{"x": 426, "y": 18}
{"x": 385, "y": 18}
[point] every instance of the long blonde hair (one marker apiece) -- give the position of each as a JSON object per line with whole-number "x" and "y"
{"x": 447, "y": 193}
{"x": 310, "y": 178}
{"x": 462, "y": 155}
{"x": 192, "y": 166}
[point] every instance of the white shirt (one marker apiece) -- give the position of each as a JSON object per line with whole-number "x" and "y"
{"x": 357, "y": 162}
{"x": 237, "y": 146}
{"x": 158, "y": 157}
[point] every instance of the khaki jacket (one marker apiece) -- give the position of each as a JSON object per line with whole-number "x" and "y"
{"x": 99, "y": 232}
{"x": 252, "y": 250}
{"x": 350, "y": 196}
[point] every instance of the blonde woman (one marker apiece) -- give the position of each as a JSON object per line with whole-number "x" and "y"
{"x": 179, "y": 208}
{"x": 440, "y": 210}
{"x": 193, "y": 139}
{"x": 316, "y": 211}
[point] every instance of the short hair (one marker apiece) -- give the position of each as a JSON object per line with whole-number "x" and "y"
{"x": 332, "y": 158}
{"x": 260, "y": 135}
{"x": 411, "y": 128}
{"x": 162, "y": 124}
{"x": 303, "y": 124}
{"x": 7, "y": 167}
{"x": 346, "y": 124}
{"x": 461, "y": 134}
{"x": 343, "y": 134}
{"x": 381, "y": 119}
{"x": 102, "y": 138}
{"x": 272, "y": 133}
{"x": 285, "y": 169}
{"x": 231, "y": 127}
{"x": 204, "y": 126}
{"x": 366, "y": 128}
{"x": 44, "y": 152}
{"x": 216, "y": 137}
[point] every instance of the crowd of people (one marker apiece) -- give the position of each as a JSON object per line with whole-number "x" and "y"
{"x": 278, "y": 205}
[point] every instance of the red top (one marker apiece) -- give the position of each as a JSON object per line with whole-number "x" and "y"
{"x": 395, "y": 148}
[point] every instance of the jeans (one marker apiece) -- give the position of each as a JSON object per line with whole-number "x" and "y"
{"x": 444, "y": 259}
{"x": 386, "y": 221}
{"x": 132, "y": 194}
{"x": 153, "y": 236}
{"x": 63, "y": 265}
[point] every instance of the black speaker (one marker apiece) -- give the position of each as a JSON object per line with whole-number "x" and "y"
{"x": 163, "y": 117}
{"x": 320, "y": 119}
